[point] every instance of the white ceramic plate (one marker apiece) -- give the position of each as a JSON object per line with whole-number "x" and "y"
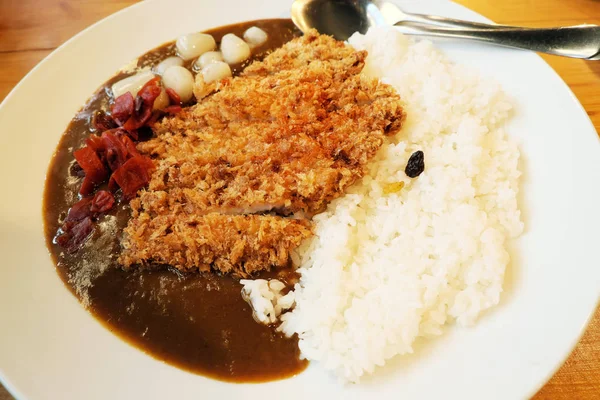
{"x": 51, "y": 348}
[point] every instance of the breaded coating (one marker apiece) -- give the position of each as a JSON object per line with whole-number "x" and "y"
{"x": 287, "y": 136}
{"x": 238, "y": 244}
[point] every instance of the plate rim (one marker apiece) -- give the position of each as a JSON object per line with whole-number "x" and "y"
{"x": 6, "y": 381}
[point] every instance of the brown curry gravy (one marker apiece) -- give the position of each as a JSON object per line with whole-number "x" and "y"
{"x": 196, "y": 322}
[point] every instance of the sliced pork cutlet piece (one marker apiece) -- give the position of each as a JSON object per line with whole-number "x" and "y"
{"x": 288, "y": 136}
{"x": 308, "y": 49}
{"x": 237, "y": 244}
{"x": 295, "y": 137}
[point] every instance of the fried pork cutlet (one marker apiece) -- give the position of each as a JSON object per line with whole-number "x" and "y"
{"x": 286, "y": 137}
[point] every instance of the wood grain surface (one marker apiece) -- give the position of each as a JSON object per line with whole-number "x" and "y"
{"x": 31, "y": 29}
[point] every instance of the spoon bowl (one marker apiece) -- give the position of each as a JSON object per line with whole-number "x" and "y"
{"x": 337, "y": 18}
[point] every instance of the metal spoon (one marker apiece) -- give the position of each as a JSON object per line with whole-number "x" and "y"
{"x": 341, "y": 18}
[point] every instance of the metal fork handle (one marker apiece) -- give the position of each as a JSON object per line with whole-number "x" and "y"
{"x": 580, "y": 41}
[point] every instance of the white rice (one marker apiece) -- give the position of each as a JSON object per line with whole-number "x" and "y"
{"x": 266, "y": 299}
{"x": 386, "y": 269}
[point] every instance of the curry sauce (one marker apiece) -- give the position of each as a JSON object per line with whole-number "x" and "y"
{"x": 198, "y": 322}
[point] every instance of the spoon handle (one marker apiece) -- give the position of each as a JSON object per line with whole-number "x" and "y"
{"x": 394, "y": 15}
{"x": 443, "y": 22}
{"x": 581, "y": 41}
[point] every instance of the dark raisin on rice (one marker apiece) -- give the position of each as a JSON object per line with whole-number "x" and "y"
{"x": 415, "y": 165}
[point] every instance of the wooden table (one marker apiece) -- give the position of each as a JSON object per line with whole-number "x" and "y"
{"x": 31, "y": 29}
